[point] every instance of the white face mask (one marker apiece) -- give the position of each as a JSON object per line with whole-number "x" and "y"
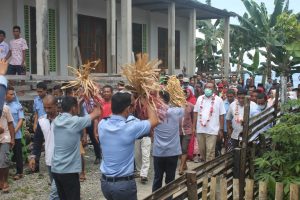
{"x": 262, "y": 107}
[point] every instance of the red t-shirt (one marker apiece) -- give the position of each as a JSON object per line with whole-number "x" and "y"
{"x": 106, "y": 109}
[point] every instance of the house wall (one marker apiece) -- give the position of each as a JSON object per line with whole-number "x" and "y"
{"x": 96, "y": 8}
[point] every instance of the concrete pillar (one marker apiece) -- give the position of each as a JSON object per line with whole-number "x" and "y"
{"x": 226, "y": 49}
{"x": 191, "y": 53}
{"x": 171, "y": 38}
{"x": 126, "y": 31}
{"x": 111, "y": 36}
{"x": 42, "y": 50}
{"x": 62, "y": 47}
{"x": 73, "y": 33}
{"x": 18, "y": 14}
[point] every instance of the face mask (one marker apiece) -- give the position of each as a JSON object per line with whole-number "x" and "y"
{"x": 261, "y": 107}
{"x": 208, "y": 92}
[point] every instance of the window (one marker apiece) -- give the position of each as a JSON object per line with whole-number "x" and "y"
{"x": 139, "y": 38}
{"x": 163, "y": 48}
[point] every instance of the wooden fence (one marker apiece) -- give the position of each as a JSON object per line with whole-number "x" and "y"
{"x": 234, "y": 165}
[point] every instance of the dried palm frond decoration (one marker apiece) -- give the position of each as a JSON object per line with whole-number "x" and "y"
{"x": 175, "y": 90}
{"x": 85, "y": 84}
{"x": 143, "y": 77}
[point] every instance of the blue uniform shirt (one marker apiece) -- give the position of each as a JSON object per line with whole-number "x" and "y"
{"x": 17, "y": 112}
{"x": 38, "y": 106}
{"x": 166, "y": 135}
{"x": 117, "y": 137}
{"x": 67, "y": 131}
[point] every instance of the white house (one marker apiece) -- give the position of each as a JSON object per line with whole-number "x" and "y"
{"x": 68, "y": 32}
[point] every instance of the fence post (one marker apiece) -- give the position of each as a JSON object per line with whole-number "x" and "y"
{"x": 223, "y": 188}
{"x": 246, "y": 122}
{"x": 251, "y": 161}
{"x": 294, "y": 192}
{"x": 213, "y": 188}
{"x": 191, "y": 185}
{"x": 204, "y": 188}
{"x": 263, "y": 195}
{"x": 236, "y": 189}
{"x": 249, "y": 189}
{"x": 239, "y": 168}
{"x": 279, "y": 191}
{"x": 276, "y": 104}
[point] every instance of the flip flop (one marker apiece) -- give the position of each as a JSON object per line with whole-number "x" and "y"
{"x": 5, "y": 189}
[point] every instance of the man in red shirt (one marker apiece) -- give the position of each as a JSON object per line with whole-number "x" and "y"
{"x": 107, "y": 92}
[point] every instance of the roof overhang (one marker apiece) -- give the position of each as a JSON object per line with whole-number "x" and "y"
{"x": 183, "y": 8}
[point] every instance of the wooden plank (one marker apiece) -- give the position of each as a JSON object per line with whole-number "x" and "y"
{"x": 213, "y": 187}
{"x": 249, "y": 189}
{"x": 191, "y": 185}
{"x": 294, "y": 192}
{"x": 246, "y": 121}
{"x": 276, "y": 110}
{"x": 264, "y": 124}
{"x": 223, "y": 188}
{"x": 254, "y": 120}
{"x": 263, "y": 195}
{"x": 251, "y": 161}
{"x": 204, "y": 188}
{"x": 236, "y": 189}
{"x": 279, "y": 191}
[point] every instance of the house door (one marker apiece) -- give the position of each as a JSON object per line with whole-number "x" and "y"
{"x": 92, "y": 40}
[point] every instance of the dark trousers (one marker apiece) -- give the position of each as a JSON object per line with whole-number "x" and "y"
{"x": 93, "y": 140}
{"x": 68, "y": 186}
{"x": 15, "y": 69}
{"x": 119, "y": 190}
{"x": 163, "y": 165}
{"x": 18, "y": 156}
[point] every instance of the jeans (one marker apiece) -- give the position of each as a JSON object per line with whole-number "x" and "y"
{"x": 163, "y": 165}
{"x": 68, "y": 186}
{"x": 18, "y": 155}
{"x": 119, "y": 190}
{"x": 93, "y": 140}
{"x": 53, "y": 192}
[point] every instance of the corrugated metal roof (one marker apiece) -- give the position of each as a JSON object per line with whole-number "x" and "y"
{"x": 183, "y": 8}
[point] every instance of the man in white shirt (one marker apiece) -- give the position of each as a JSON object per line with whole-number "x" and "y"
{"x": 18, "y": 47}
{"x": 235, "y": 117}
{"x": 208, "y": 121}
{"x": 4, "y": 48}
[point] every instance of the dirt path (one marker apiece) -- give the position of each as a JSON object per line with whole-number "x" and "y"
{"x": 36, "y": 186}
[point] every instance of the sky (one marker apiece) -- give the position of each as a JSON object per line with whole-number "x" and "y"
{"x": 238, "y": 7}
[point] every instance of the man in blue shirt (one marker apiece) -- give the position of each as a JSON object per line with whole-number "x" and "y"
{"x": 39, "y": 111}
{"x": 117, "y": 135}
{"x": 166, "y": 145}
{"x": 66, "y": 160}
{"x": 17, "y": 112}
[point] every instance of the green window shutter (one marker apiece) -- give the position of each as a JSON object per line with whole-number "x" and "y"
{"x": 52, "y": 39}
{"x": 27, "y": 35}
{"x": 144, "y": 38}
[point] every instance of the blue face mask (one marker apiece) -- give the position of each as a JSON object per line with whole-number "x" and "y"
{"x": 208, "y": 92}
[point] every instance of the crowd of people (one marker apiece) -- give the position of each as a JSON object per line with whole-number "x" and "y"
{"x": 123, "y": 144}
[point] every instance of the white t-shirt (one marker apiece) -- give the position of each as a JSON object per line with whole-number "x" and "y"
{"x": 4, "y": 48}
{"x": 237, "y": 126}
{"x": 213, "y": 126}
{"x": 17, "y": 46}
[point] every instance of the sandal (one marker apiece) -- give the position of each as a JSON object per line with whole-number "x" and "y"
{"x": 18, "y": 177}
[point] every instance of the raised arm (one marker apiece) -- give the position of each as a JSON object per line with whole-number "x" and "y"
{"x": 153, "y": 119}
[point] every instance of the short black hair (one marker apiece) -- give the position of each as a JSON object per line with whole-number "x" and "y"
{"x": 2, "y": 33}
{"x": 41, "y": 85}
{"x": 165, "y": 96}
{"x": 68, "y": 103}
{"x": 180, "y": 75}
{"x": 17, "y": 27}
{"x": 10, "y": 87}
{"x": 108, "y": 86}
{"x": 57, "y": 87}
{"x": 120, "y": 101}
{"x": 241, "y": 91}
